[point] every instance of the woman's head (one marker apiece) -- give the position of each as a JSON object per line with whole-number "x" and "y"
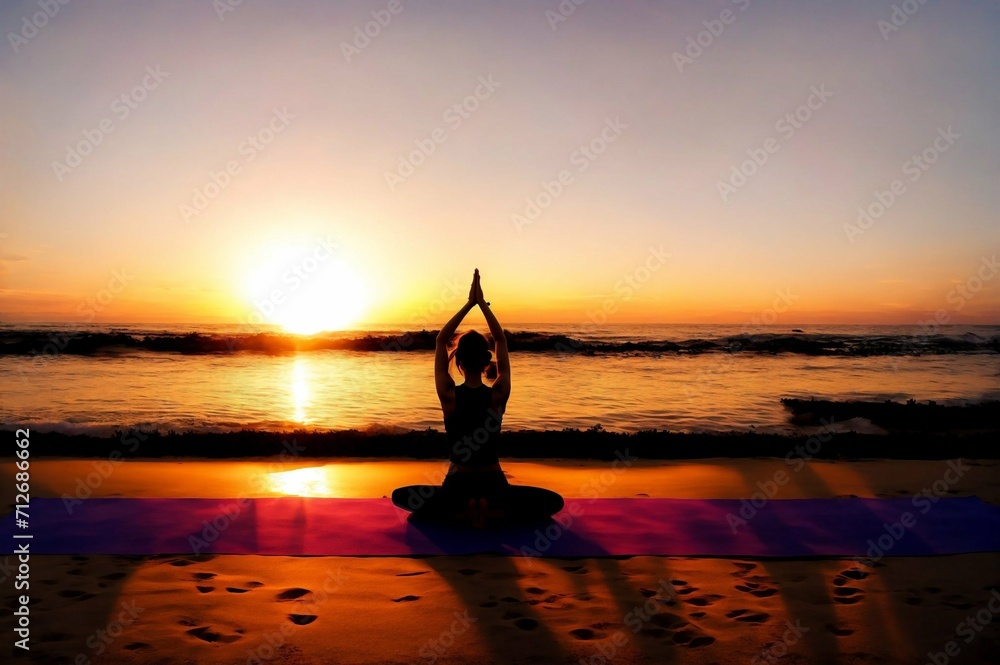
{"x": 472, "y": 353}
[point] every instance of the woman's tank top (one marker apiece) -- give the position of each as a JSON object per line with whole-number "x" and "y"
{"x": 473, "y": 427}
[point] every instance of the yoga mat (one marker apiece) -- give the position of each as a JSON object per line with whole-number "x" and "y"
{"x": 870, "y": 528}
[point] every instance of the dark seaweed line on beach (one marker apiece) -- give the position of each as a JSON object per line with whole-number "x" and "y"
{"x": 48, "y": 343}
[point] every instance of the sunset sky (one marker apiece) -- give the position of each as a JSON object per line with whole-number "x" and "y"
{"x": 111, "y": 209}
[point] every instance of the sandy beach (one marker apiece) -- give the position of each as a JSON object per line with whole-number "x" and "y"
{"x": 493, "y": 609}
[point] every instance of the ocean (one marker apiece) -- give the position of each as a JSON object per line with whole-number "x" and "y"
{"x": 688, "y": 378}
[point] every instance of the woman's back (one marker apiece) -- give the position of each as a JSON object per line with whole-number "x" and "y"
{"x": 472, "y": 428}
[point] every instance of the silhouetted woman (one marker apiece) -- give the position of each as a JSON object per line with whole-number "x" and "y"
{"x": 475, "y": 487}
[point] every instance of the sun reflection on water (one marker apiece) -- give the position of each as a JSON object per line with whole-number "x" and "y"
{"x": 301, "y": 375}
{"x": 311, "y": 481}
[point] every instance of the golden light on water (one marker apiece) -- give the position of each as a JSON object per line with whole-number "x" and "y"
{"x": 311, "y": 481}
{"x": 300, "y": 390}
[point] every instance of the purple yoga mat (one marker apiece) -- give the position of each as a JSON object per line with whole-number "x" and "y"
{"x": 869, "y": 528}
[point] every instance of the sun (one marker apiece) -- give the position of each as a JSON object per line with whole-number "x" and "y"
{"x": 306, "y": 290}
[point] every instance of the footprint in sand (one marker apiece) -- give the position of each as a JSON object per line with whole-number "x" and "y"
{"x": 419, "y": 572}
{"x": 292, "y": 594}
{"x": 855, "y": 573}
{"x": 669, "y": 620}
{"x": 839, "y": 632}
{"x": 405, "y": 599}
{"x": 138, "y": 646}
{"x": 302, "y": 619}
{"x": 700, "y": 641}
{"x": 848, "y": 595}
{"x": 755, "y": 589}
{"x": 593, "y": 632}
{"x": 205, "y": 589}
{"x": 206, "y": 634}
{"x": 255, "y": 585}
{"x": 525, "y": 623}
{"x": 704, "y": 601}
{"x": 182, "y": 562}
{"x": 233, "y": 589}
{"x": 579, "y": 570}
{"x": 756, "y": 618}
{"x": 696, "y": 615}
{"x": 203, "y": 576}
{"x": 76, "y": 594}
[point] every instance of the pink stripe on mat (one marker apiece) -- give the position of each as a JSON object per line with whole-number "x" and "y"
{"x": 603, "y": 527}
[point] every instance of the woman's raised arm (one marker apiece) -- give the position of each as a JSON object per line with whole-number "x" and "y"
{"x": 502, "y": 384}
{"x": 442, "y": 378}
